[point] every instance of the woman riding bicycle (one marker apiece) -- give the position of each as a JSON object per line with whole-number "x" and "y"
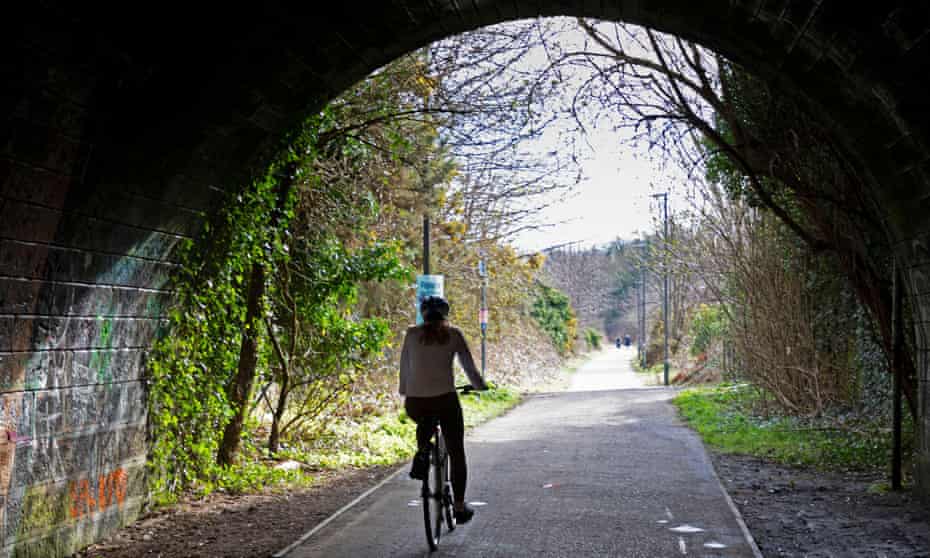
{"x": 427, "y": 381}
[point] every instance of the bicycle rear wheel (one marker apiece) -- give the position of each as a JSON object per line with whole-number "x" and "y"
{"x": 432, "y": 500}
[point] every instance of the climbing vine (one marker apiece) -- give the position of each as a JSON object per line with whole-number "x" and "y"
{"x": 190, "y": 368}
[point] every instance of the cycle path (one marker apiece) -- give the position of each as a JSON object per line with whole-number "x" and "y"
{"x": 603, "y": 469}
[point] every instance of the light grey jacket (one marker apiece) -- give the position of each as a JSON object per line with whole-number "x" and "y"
{"x": 426, "y": 370}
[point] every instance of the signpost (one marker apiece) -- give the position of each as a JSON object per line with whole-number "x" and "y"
{"x": 483, "y": 313}
{"x": 428, "y": 285}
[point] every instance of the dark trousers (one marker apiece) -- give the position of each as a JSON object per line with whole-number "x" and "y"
{"x": 447, "y": 409}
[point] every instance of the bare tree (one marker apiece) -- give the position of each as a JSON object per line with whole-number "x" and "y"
{"x": 691, "y": 105}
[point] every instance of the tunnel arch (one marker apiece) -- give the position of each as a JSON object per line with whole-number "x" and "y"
{"x": 122, "y": 131}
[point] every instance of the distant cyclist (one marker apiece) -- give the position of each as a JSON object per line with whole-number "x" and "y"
{"x": 427, "y": 380}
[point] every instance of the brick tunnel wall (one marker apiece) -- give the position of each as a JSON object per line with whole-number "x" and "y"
{"x": 84, "y": 262}
{"x": 82, "y": 277}
{"x": 118, "y": 138}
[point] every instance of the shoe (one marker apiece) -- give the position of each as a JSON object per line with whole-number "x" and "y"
{"x": 464, "y": 516}
{"x": 420, "y": 468}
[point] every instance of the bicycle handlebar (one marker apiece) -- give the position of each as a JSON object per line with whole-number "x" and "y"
{"x": 467, "y": 388}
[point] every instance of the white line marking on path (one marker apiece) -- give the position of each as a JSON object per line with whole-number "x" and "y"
{"x": 686, "y": 529}
{"x": 739, "y": 517}
{"x": 340, "y": 511}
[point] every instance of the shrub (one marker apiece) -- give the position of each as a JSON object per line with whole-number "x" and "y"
{"x": 592, "y": 338}
{"x": 707, "y": 325}
{"x": 553, "y": 312}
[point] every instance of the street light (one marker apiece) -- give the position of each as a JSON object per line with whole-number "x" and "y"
{"x": 664, "y": 196}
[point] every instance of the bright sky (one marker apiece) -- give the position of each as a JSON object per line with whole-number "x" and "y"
{"x": 614, "y": 198}
{"x": 612, "y": 201}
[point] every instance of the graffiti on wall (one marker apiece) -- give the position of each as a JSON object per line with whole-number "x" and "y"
{"x": 88, "y": 497}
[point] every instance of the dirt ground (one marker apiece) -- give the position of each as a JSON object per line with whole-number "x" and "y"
{"x": 795, "y": 512}
{"x": 791, "y": 513}
{"x": 252, "y": 526}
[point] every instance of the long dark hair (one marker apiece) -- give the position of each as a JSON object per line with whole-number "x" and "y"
{"x": 435, "y": 332}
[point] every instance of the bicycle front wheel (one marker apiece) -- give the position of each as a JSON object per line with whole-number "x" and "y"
{"x": 447, "y": 502}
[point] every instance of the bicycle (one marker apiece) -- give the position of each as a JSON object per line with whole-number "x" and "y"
{"x": 436, "y": 490}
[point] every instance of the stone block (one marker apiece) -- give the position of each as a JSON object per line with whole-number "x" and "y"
{"x": 102, "y": 407}
{"x": 29, "y": 334}
{"x": 80, "y": 333}
{"x": 23, "y": 260}
{"x": 45, "y": 147}
{"x": 51, "y": 111}
{"x": 133, "y": 441}
{"x": 25, "y": 221}
{"x": 82, "y": 372}
{"x": 132, "y": 403}
{"x": 48, "y": 416}
{"x": 13, "y": 371}
{"x": 37, "y": 370}
{"x": 75, "y": 265}
{"x": 7, "y": 460}
{"x": 85, "y": 407}
{"x": 33, "y": 185}
{"x": 85, "y": 232}
{"x": 6, "y": 334}
{"x": 48, "y": 297}
{"x": 18, "y": 297}
{"x": 87, "y": 300}
{"x": 102, "y": 366}
{"x": 16, "y": 416}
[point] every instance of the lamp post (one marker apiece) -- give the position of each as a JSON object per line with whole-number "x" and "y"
{"x": 425, "y": 244}
{"x": 664, "y": 196}
{"x": 642, "y": 312}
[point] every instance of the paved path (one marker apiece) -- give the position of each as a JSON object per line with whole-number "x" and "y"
{"x": 609, "y": 370}
{"x": 602, "y": 472}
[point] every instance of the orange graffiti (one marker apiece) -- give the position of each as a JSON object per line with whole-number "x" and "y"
{"x": 111, "y": 489}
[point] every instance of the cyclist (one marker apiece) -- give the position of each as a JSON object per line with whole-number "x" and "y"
{"x": 427, "y": 381}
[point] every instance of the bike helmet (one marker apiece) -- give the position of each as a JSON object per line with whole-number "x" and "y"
{"x": 434, "y": 308}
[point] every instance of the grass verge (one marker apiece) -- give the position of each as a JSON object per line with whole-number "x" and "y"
{"x": 389, "y": 438}
{"x": 373, "y": 440}
{"x": 723, "y": 416}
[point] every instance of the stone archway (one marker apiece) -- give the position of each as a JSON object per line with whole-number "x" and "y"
{"x": 121, "y": 128}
